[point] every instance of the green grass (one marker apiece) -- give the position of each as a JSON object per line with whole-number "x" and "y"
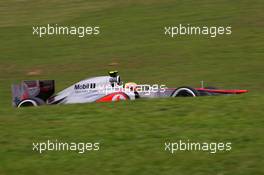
{"x": 132, "y": 134}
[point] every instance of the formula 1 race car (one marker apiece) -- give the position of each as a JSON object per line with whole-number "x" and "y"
{"x": 101, "y": 89}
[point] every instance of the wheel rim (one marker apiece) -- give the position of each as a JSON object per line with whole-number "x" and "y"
{"x": 26, "y": 103}
{"x": 184, "y": 90}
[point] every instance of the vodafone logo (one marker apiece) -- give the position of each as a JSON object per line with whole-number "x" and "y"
{"x": 118, "y": 97}
{"x": 114, "y": 97}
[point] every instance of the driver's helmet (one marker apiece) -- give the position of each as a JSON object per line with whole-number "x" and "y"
{"x": 115, "y": 78}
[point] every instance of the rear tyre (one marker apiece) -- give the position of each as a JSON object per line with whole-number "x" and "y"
{"x": 185, "y": 92}
{"x": 31, "y": 102}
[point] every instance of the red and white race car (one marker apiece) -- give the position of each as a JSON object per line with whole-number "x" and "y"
{"x": 101, "y": 89}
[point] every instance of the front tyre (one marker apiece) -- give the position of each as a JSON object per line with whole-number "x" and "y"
{"x": 185, "y": 92}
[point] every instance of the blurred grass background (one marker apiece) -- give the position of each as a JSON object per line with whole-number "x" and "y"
{"x": 132, "y": 133}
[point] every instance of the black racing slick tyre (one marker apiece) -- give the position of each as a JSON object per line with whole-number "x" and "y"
{"x": 31, "y": 102}
{"x": 185, "y": 91}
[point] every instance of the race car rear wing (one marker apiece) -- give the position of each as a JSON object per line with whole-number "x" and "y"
{"x": 42, "y": 89}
